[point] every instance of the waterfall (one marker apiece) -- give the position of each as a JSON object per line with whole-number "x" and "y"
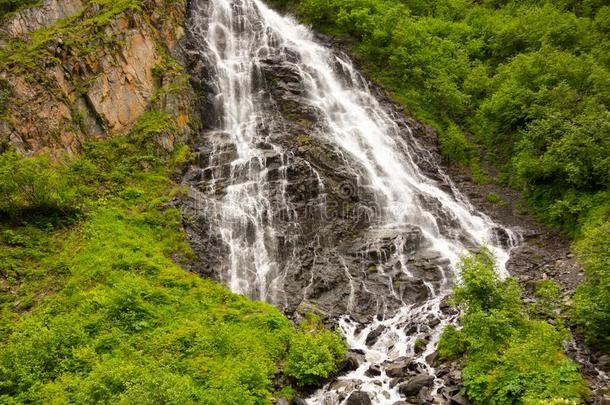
{"x": 310, "y": 192}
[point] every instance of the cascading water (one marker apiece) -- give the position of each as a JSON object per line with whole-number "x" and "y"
{"x": 262, "y": 195}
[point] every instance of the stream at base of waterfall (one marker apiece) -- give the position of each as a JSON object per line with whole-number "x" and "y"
{"x": 312, "y": 192}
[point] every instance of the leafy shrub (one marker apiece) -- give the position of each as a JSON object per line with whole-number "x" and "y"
{"x": 591, "y": 309}
{"x": 452, "y": 344}
{"x": 510, "y": 357}
{"x": 548, "y": 295}
{"x": 33, "y": 186}
{"x": 314, "y": 353}
{"x": 455, "y": 146}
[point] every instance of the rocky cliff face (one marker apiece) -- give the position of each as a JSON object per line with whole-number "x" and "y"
{"x": 76, "y": 70}
{"x": 287, "y": 215}
{"x": 36, "y": 18}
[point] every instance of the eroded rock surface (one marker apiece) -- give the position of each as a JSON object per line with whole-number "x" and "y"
{"x": 35, "y": 18}
{"x": 336, "y": 260}
{"x": 98, "y": 85}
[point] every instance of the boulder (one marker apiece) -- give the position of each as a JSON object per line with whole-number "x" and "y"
{"x": 351, "y": 362}
{"x": 431, "y": 358}
{"x": 415, "y": 384}
{"x": 373, "y": 371}
{"x": 398, "y": 368}
{"x": 358, "y": 398}
{"x": 373, "y": 336}
{"x": 458, "y": 399}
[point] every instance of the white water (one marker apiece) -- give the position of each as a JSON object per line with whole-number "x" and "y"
{"x": 239, "y": 34}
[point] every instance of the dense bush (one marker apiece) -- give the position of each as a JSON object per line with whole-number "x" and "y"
{"x": 528, "y": 79}
{"x": 98, "y": 311}
{"x": 592, "y": 298}
{"x": 33, "y": 186}
{"x": 510, "y": 357}
{"x": 314, "y": 354}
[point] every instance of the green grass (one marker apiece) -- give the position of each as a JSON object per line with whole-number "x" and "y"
{"x": 97, "y": 309}
{"x": 493, "y": 198}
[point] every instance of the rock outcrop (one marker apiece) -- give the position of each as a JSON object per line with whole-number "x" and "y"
{"x": 337, "y": 260}
{"x": 35, "y": 18}
{"x": 79, "y": 70}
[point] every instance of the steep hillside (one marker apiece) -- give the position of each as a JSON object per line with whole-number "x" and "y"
{"x": 97, "y": 304}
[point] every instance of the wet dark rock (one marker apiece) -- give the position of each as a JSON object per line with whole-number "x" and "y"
{"x": 431, "y": 358}
{"x": 411, "y": 330}
{"x": 458, "y": 399}
{"x": 445, "y": 307}
{"x": 450, "y": 390}
{"x": 415, "y": 384}
{"x": 417, "y": 368}
{"x": 374, "y": 335}
{"x": 603, "y": 361}
{"x": 398, "y": 367}
{"x": 358, "y": 398}
{"x": 373, "y": 371}
{"x": 298, "y": 401}
{"x": 411, "y": 289}
{"x": 351, "y": 362}
{"x": 395, "y": 381}
{"x": 424, "y": 396}
{"x": 346, "y": 385}
{"x": 433, "y": 322}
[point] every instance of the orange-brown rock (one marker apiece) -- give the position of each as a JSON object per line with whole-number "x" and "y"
{"x": 98, "y": 88}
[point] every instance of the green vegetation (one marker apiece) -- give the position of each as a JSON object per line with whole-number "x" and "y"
{"x": 8, "y": 6}
{"x": 95, "y": 307}
{"x": 528, "y": 80}
{"x": 494, "y": 198}
{"x": 524, "y": 83}
{"x": 82, "y": 32}
{"x": 32, "y": 186}
{"x": 314, "y": 354}
{"x": 510, "y": 355}
{"x": 591, "y": 309}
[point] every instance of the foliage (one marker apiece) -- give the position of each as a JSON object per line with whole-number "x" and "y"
{"x": 314, "y": 356}
{"x": 33, "y": 186}
{"x": 529, "y": 79}
{"x": 455, "y": 146}
{"x": 548, "y": 294}
{"x": 591, "y": 310}
{"x": 452, "y": 344}
{"x": 99, "y": 311}
{"x": 510, "y": 357}
{"x": 8, "y": 6}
